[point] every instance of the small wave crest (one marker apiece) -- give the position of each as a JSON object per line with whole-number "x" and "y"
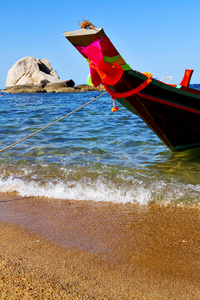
{"x": 101, "y": 189}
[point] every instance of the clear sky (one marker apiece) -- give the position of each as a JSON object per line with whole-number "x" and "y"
{"x": 161, "y": 37}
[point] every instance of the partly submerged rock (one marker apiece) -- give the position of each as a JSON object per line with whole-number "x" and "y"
{"x": 86, "y": 87}
{"x": 30, "y": 75}
{"x": 24, "y": 89}
{"x": 29, "y": 71}
{"x": 54, "y": 87}
{"x": 33, "y": 75}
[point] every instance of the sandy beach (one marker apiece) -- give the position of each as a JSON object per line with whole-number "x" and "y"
{"x": 56, "y": 249}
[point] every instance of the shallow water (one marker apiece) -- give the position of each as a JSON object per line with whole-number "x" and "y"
{"x": 93, "y": 154}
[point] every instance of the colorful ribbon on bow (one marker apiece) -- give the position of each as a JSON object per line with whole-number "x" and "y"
{"x": 101, "y": 72}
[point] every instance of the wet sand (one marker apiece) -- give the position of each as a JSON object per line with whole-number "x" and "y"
{"x": 58, "y": 249}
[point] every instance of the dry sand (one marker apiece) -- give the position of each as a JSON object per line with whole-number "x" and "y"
{"x": 56, "y": 249}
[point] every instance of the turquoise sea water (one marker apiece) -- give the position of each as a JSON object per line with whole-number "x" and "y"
{"x": 93, "y": 154}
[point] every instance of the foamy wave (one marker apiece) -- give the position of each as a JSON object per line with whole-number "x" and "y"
{"x": 84, "y": 189}
{"x": 103, "y": 190}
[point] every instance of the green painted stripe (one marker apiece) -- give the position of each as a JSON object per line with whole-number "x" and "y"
{"x": 185, "y": 147}
{"x": 108, "y": 59}
{"x": 126, "y": 67}
{"x": 164, "y": 85}
{"x": 126, "y": 105}
{"x": 111, "y": 59}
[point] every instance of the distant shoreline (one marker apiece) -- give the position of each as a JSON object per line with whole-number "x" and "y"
{"x": 50, "y": 89}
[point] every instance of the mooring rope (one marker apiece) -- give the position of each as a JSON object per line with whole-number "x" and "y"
{"x": 52, "y": 123}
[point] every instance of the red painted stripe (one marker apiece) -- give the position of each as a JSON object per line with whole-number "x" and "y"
{"x": 166, "y": 102}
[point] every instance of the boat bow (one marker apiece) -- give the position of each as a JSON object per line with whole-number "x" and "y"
{"x": 171, "y": 111}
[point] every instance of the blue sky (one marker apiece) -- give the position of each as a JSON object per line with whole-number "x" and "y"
{"x": 161, "y": 37}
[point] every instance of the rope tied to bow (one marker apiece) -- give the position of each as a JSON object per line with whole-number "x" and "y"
{"x": 27, "y": 137}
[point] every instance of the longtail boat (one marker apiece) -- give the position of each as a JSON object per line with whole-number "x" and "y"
{"x": 171, "y": 111}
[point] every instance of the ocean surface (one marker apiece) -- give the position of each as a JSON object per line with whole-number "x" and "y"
{"x": 93, "y": 154}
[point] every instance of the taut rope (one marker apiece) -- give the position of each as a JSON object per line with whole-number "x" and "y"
{"x": 52, "y": 123}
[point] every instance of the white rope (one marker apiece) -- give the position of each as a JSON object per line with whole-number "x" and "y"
{"x": 170, "y": 79}
{"x": 52, "y": 123}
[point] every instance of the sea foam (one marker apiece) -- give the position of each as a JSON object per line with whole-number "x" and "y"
{"x": 104, "y": 190}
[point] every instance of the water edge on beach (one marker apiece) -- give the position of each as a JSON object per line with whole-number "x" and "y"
{"x": 96, "y": 250}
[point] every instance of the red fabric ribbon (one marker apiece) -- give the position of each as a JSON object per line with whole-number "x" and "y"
{"x": 105, "y": 73}
{"x": 100, "y": 71}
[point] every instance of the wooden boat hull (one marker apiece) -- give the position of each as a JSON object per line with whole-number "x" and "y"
{"x": 172, "y": 112}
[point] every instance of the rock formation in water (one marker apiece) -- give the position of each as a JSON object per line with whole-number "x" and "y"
{"x": 35, "y": 75}
{"x": 30, "y": 75}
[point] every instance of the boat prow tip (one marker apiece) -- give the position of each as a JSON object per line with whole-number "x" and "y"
{"x": 82, "y": 32}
